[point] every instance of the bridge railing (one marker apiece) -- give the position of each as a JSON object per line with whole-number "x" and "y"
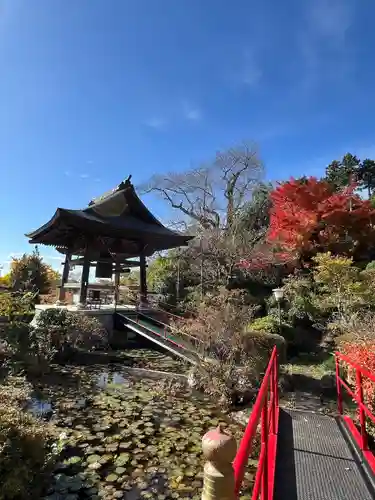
{"x": 360, "y": 435}
{"x": 163, "y": 331}
{"x": 266, "y": 412}
{"x": 222, "y": 479}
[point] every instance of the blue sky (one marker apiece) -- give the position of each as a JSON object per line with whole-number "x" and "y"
{"x": 93, "y": 90}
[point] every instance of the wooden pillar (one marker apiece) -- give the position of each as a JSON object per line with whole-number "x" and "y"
{"x": 143, "y": 279}
{"x": 64, "y": 278}
{"x": 84, "y": 279}
{"x": 117, "y": 285}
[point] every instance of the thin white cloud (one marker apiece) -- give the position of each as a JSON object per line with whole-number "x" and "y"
{"x": 330, "y": 19}
{"x": 156, "y": 123}
{"x": 67, "y": 173}
{"x": 84, "y": 176}
{"x": 322, "y": 41}
{"x": 97, "y": 179}
{"x": 252, "y": 72}
{"x": 192, "y": 113}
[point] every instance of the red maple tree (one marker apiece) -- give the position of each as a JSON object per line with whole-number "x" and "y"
{"x": 308, "y": 216}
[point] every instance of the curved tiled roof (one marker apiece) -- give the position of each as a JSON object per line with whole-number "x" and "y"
{"x": 120, "y": 217}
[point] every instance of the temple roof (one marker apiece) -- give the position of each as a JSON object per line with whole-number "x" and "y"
{"x": 117, "y": 221}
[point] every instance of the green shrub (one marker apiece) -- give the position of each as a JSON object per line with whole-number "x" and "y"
{"x": 301, "y": 301}
{"x": 26, "y": 348}
{"x": 68, "y": 330}
{"x": 57, "y": 333}
{"x": 269, "y": 324}
{"x": 266, "y": 324}
{"x": 14, "y": 305}
{"x": 26, "y": 448}
{"x": 23, "y": 348}
{"x": 263, "y": 343}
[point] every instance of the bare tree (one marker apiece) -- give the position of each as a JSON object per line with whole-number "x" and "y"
{"x": 223, "y": 203}
{"x": 212, "y": 195}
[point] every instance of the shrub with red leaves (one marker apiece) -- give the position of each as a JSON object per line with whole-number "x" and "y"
{"x": 364, "y": 354}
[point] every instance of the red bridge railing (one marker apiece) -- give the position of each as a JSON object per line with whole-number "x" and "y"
{"x": 361, "y": 435}
{"x": 266, "y": 412}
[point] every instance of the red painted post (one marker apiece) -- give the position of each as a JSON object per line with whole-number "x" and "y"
{"x": 276, "y": 368}
{"x": 275, "y": 395}
{"x": 264, "y": 445}
{"x": 362, "y": 415}
{"x": 260, "y": 414}
{"x": 338, "y": 385}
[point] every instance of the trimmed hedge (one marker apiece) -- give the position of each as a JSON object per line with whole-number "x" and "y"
{"x": 264, "y": 342}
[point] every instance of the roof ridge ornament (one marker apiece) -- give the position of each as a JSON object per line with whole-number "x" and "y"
{"x": 121, "y": 187}
{"x": 125, "y": 184}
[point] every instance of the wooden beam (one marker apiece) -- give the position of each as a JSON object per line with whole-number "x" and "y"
{"x": 85, "y": 279}
{"x": 64, "y": 278}
{"x": 79, "y": 261}
{"x": 143, "y": 278}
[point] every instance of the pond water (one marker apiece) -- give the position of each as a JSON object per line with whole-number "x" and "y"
{"x": 127, "y": 437}
{"x": 153, "y": 360}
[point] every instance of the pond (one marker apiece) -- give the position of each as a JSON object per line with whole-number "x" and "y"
{"x": 127, "y": 437}
{"x": 153, "y": 360}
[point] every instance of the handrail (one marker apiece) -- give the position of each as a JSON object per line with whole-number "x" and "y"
{"x": 360, "y": 437}
{"x": 164, "y": 336}
{"x": 180, "y": 332}
{"x": 181, "y": 318}
{"x": 266, "y": 411}
{"x": 165, "y": 325}
{"x": 131, "y": 320}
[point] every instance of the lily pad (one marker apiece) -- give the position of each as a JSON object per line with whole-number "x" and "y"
{"x": 73, "y": 460}
{"x": 125, "y": 445}
{"x": 111, "y": 478}
{"x": 122, "y": 459}
{"x": 93, "y": 458}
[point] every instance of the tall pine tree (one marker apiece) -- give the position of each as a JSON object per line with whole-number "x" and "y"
{"x": 340, "y": 174}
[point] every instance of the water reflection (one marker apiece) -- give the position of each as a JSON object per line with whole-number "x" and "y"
{"x": 40, "y": 408}
{"x": 105, "y": 378}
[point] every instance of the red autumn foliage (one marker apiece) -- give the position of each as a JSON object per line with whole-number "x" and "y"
{"x": 308, "y": 216}
{"x": 364, "y": 354}
{"x": 260, "y": 261}
{"x": 265, "y": 256}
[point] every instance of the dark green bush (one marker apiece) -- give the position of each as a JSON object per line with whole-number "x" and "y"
{"x": 26, "y": 448}
{"x": 25, "y": 348}
{"x": 55, "y": 336}
{"x": 269, "y": 324}
{"x": 68, "y": 330}
{"x": 263, "y": 343}
{"x": 266, "y": 324}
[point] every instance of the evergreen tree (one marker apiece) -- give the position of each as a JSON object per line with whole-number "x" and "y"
{"x": 30, "y": 273}
{"x": 340, "y": 174}
{"x": 366, "y": 176}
